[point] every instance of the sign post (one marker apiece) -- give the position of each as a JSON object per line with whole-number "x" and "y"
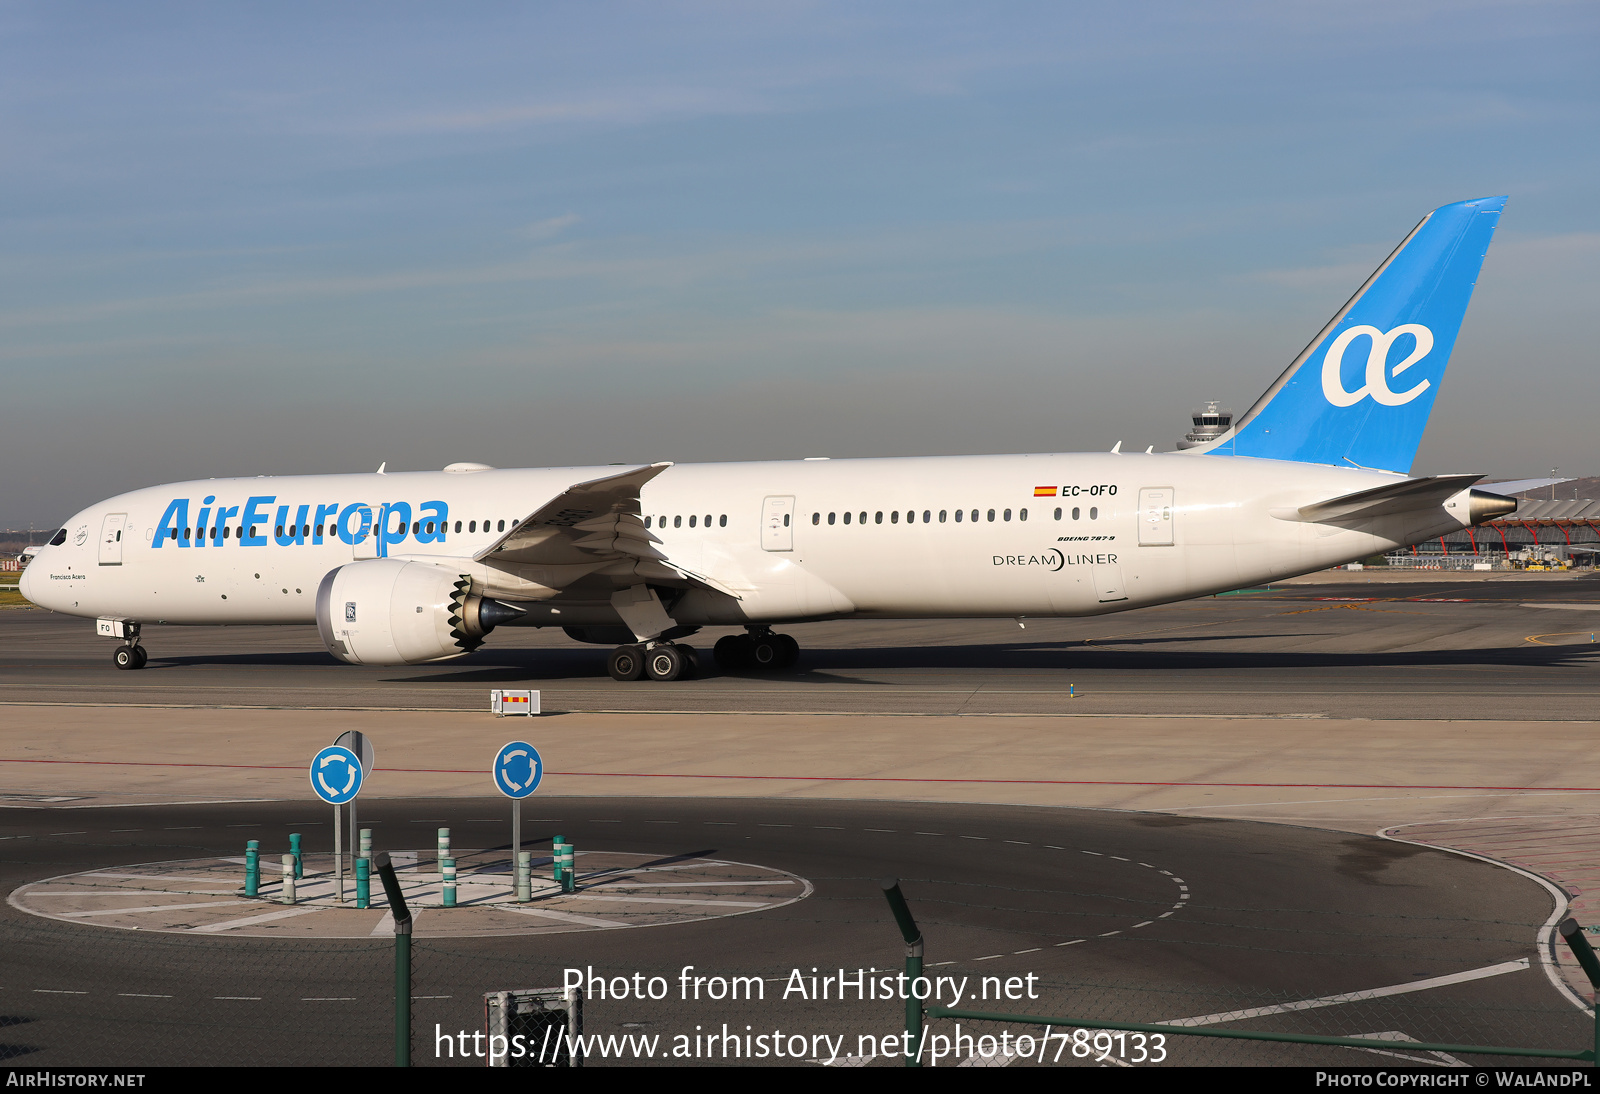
{"x": 356, "y": 742}
{"x": 517, "y": 770}
{"x": 336, "y": 775}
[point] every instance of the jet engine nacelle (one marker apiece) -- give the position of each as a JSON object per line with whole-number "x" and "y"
{"x": 386, "y": 611}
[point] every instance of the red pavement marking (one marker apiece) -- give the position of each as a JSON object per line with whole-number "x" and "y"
{"x": 842, "y": 778}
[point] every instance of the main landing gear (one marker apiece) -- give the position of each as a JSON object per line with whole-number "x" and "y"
{"x": 662, "y": 661}
{"x": 758, "y": 650}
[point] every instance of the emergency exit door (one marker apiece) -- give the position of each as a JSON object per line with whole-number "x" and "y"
{"x": 777, "y": 521}
{"x": 111, "y": 539}
{"x": 1155, "y": 517}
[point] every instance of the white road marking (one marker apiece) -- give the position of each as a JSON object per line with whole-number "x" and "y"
{"x": 666, "y": 900}
{"x": 139, "y": 995}
{"x": 693, "y": 884}
{"x": 156, "y": 908}
{"x": 386, "y": 924}
{"x": 565, "y": 917}
{"x": 248, "y": 921}
{"x": 1355, "y": 996}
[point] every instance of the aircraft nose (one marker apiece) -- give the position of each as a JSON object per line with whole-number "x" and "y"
{"x": 24, "y": 585}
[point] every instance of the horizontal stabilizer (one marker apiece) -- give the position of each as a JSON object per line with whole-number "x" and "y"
{"x": 1407, "y": 496}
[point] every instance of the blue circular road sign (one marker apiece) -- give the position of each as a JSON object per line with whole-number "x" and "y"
{"x": 518, "y": 769}
{"x": 336, "y": 775}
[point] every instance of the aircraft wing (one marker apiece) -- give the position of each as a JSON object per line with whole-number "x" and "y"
{"x": 592, "y": 527}
{"x": 1396, "y": 497}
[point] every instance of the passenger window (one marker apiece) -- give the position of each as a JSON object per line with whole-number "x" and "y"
{"x": 894, "y": 517}
{"x": 224, "y": 531}
{"x": 927, "y": 516}
{"x": 786, "y": 520}
{"x": 847, "y": 518}
{"x": 458, "y": 527}
{"x": 879, "y": 518}
{"x": 502, "y": 526}
{"x": 174, "y": 533}
{"x": 1022, "y": 514}
{"x": 1058, "y": 514}
{"x": 1007, "y": 515}
{"x": 722, "y": 521}
{"x": 830, "y": 518}
{"x": 1074, "y": 512}
{"x": 974, "y": 516}
{"x": 991, "y": 516}
{"x": 692, "y": 519}
{"x": 280, "y": 530}
{"x": 430, "y": 528}
{"x": 863, "y": 517}
{"x": 816, "y": 518}
{"x": 708, "y": 520}
{"x": 514, "y": 522}
{"x": 959, "y": 512}
{"x": 1094, "y": 514}
{"x": 941, "y": 515}
{"x": 647, "y": 522}
{"x": 677, "y": 522}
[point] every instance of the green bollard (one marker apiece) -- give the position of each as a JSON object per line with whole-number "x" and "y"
{"x": 569, "y": 875}
{"x": 524, "y": 876}
{"x": 447, "y": 869}
{"x": 299, "y": 859}
{"x": 363, "y": 883}
{"x": 366, "y": 843}
{"x": 444, "y": 847}
{"x": 252, "y": 868}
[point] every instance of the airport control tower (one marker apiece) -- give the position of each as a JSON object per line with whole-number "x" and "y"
{"x": 1209, "y": 424}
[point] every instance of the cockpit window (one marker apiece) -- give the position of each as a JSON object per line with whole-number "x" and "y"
{"x": 59, "y": 538}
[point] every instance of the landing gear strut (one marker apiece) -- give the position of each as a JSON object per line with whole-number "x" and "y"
{"x": 757, "y": 650}
{"x": 660, "y": 661}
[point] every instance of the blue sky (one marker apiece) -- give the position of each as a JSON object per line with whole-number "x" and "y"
{"x": 300, "y": 238}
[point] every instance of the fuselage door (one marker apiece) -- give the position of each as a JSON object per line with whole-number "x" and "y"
{"x": 1155, "y": 517}
{"x": 111, "y": 539}
{"x": 777, "y": 524}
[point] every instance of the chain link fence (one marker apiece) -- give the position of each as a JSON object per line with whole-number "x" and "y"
{"x": 128, "y": 999}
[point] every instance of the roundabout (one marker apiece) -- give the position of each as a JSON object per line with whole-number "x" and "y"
{"x": 205, "y": 897}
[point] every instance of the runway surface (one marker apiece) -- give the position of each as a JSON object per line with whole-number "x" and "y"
{"x": 1468, "y": 649}
{"x": 1122, "y": 916}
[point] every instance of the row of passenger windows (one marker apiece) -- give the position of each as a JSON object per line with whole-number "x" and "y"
{"x": 693, "y": 518}
{"x": 972, "y": 515}
{"x": 417, "y": 527}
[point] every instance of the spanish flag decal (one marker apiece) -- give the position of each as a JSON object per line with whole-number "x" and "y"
{"x": 1044, "y": 491}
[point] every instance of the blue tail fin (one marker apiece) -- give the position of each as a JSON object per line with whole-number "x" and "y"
{"x": 1361, "y": 392}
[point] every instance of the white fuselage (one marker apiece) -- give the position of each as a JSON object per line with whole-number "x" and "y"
{"x": 1106, "y": 541}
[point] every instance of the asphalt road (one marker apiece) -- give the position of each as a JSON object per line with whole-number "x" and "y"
{"x": 1120, "y": 916}
{"x": 1439, "y": 649}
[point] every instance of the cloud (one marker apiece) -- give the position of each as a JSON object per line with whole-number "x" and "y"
{"x": 553, "y": 226}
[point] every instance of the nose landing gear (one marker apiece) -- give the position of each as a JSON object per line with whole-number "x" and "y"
{"x": 129, "y": 655}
